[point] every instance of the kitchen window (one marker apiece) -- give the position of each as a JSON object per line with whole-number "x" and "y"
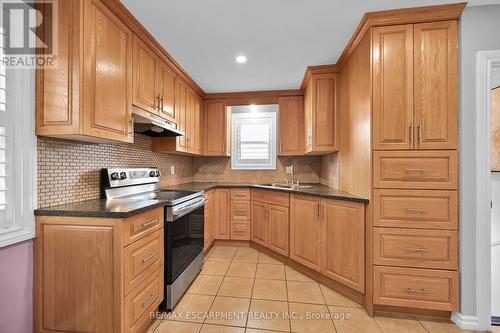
{"x": 17, "y": 153}
{"x": 253, "y": 137}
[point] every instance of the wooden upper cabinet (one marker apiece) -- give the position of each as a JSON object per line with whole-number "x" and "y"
{"x": 321, "y": 114}
{"x": 145, "y": 79}
{"x": 305, "y": 231}
{"x": 291, "y": 126}
{"x": 393, "y": 87}
{"x": 166, "y": 91}
{"x": 215, "y": 129}
{"x": 343, "y": 242}
{"x": 435, "y": 84}
{"x": 88, "y": 98}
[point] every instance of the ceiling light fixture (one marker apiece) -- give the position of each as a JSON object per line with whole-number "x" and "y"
{"x": 253, "y": 108}
{"x": 241, "y": 59}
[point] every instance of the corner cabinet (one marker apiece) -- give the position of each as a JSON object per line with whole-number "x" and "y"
{"x": 321, "y": 99}
{"x": 415, "y": 86}
{"x": 89, "y": 96}
{"x": 216, "y": 129}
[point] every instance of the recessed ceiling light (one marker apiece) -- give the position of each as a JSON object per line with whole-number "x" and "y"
{"x": 241, "y": 59}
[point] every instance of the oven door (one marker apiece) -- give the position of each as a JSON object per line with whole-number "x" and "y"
{"x": 184, "y": 239}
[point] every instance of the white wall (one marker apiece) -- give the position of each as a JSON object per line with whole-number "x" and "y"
{"x": 479, "y": 27}
{"x": 495, "y": 238}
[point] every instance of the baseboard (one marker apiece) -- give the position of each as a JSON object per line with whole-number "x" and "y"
{"x": 465, "y": 322}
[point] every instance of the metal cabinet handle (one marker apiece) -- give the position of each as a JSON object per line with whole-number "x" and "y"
{"x": 420, "y": 133}
{"x": 418, "y": 170}
{"x": 161, "y": 100}
{"x": 158, "y": 99}
{"x": 411, "y": 133}
{"x": 418, "y": 249}
{"x": 415, "y": 210}
{"x": 148, "y": 300}
{"x": 147, "y": 224}
{"x": 146, "y": 259}
{"x": 417, "y": 290}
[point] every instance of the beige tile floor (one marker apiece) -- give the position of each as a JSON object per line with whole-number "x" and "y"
{"x": 242, "y": 290}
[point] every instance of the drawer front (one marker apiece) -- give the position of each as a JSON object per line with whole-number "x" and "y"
{"x": 240, "y": 230}
{"x": 142, "y": 258}
{"x": 415, "y": 169}
{"x": 240, "y": 194}
{"x": 416, "y": 288}
{"x": 142, "y": 300}
{"x": 271, "y": 197}
{"x": 415, "y": 248}
{"x": 140, "y": 225}
{"x": 240, "y": 210}
{"x": 432, "y": 209}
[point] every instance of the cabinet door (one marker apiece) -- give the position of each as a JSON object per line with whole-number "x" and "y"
{"x": 208, "y": 220}
{"x": 343, "y": 243}
{"x": 291, "y": 126}
{"x": 393, "y": 87}
{"x": 259, "y": 228}
{"x": 435, "y": 84}
{"x": 305, "y": 231}
{"x": 215, "y": 129}
{"x": 222, "y": 214}
{"x": 278, "y": 229}
{"x": 166, "y": 90}
{"x": 325, "y": 119}
{"x": 107, "y": 96}
{"x": 145, "y": 78}
{"x": 181, "y": 91}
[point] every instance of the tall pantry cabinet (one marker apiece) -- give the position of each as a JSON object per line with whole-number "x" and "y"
{"x": 415, "y": 166}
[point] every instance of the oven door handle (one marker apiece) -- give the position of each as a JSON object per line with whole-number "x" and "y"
{"x": 183, "y": 209}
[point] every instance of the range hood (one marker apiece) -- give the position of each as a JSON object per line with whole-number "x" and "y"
{"x": 153, "y": 125}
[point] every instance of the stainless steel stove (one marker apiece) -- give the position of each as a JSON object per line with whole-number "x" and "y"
{"x": 184, "y": 223}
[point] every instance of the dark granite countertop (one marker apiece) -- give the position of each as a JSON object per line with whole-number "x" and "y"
{"x": 316, "y": 189}
{"x": 122, "y": 208}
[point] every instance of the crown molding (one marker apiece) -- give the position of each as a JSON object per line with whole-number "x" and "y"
{"x": 387, "y": 17}
{"x": 117, "y": 7}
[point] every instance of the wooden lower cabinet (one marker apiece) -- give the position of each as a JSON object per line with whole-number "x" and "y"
{"x": 259, "y": 227}
{"x": 90, "y": 276}
{"x": 209, "y": 219}
{"x": 222, "y": 214}
{"x": 305, "y": 231}
{"x": 270, "y": 220}
{"x": 416, "y": 288}
{"x": 343, "y": 242}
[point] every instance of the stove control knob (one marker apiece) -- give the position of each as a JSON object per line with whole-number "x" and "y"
{"x": 152, "y": 174}
{"x": 158, "y": 173}
{"x": 123, "y": 175}
{"x": 115, "y": 176}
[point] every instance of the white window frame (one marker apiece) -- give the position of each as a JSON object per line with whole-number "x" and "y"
{"x": 268, "y": 164}
{"x": 22, "y": 157}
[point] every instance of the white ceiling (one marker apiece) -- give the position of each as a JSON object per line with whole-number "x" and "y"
{"x": 279, "y": 37}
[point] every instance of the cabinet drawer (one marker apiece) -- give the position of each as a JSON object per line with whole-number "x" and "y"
{"x": 240, "y": 194}
{"x": 415, "y": 248}
{"x": 416, "y": 288}
{"x": 140, "y": 225}
{"x": 415, "y": 169}
{"x": 240, "y": 210}
{"x": 432, "y": 209}
{"x": 142, "y": 258}
{"x": 271, "y": 197}
{"x": 142, "y": 300}
{"x": 240, "y": 230}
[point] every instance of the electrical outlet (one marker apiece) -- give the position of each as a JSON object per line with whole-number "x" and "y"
{"x": 172, "y": 169}
{"x": 289, "y": 170}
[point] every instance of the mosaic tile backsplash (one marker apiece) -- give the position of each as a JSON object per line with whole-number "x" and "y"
{"x": 80, "y": 164}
